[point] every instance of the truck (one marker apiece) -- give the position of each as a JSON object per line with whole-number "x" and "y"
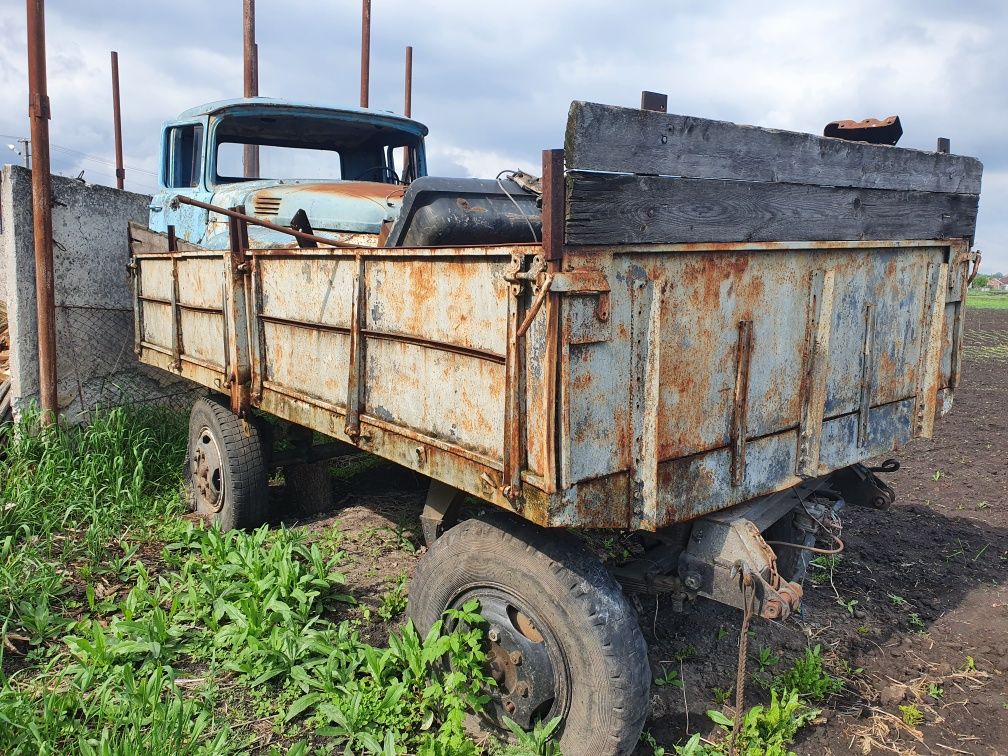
{"x": 689, "y": 329}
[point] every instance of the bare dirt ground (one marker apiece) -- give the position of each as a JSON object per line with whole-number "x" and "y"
{"x": 914, "y": 613}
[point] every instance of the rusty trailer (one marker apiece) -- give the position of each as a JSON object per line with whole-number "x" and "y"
{"x": 706, "y": 333}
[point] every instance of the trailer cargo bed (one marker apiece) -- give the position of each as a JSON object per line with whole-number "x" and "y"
{"x": 715, "y": 313}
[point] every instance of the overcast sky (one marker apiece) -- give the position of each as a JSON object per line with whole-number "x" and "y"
{"x": 494, "y": 80}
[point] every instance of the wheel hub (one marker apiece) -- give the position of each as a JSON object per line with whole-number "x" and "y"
{"x": 206, "y": 473}
{"x": 518, "y": 659}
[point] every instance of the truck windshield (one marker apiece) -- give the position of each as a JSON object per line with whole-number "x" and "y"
{"x": 302, "y": 146}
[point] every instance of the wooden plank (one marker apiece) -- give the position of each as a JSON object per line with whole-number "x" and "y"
{"x": 144, "y": 241}
{"x": 627, "y": 140}
{"x": 606, "y": 208}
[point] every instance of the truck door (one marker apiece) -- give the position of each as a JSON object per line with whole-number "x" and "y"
{"x": 183, "y": 158}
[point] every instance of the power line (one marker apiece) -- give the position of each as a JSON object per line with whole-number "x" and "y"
{"x": 86, "y": 155}
{"x": 101, "y": 160}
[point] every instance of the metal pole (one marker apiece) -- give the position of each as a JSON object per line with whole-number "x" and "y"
{"x": 38, "y": 114}
{"x": 251, "y": 66}
{"x": 408, "y": 104}
{"x": 365, "y": 53}
{"x": 117, "y": 121}
{"x": 25, "y": 152}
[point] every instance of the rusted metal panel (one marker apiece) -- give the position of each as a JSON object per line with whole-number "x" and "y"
{"x": 307, "y": 359}
{"x": 157, "y": 278}
{"x": 713, "y": 402}
{"x": 309, "y": 289}
{"x": 460, "y": 301}
{"x": 157, "y": 323}
{"x": 200, "y": 281}
{"x": 440, "y": 394}
{"x": 203, "y": 336}
{"x": 889, "y": 426}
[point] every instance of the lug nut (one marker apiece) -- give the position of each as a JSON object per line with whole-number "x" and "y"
{"x": 516, "y": 658}
{"x": 509, "y": 706}
{"x": 522, "y": 689}
{"x": 493, "y": 635}
{"x": 692, "y": 581}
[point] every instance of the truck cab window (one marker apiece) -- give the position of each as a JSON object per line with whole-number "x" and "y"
{"x": 275, "y": 162}
{"x": 183, "y": 156}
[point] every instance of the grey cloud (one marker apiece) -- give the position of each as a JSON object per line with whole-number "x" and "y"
{"x": 498, "y": 77}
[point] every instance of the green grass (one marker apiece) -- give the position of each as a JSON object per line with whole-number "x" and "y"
{"x": 766, "y": 729}
{"x": 982, "y": 300}
{"x": 128, "y": 630}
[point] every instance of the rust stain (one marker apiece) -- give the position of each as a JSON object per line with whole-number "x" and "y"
{"x": 364, "y": 189}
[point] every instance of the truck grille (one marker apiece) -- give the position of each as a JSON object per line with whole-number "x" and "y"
{"x": 266, "y": 205}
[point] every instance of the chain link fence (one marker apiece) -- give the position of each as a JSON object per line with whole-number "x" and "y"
{"x": 98, "y": 368}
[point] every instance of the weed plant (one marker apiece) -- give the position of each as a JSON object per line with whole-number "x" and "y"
{"x": 126, "y": 629}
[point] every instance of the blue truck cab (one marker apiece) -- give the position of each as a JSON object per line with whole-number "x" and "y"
{"x": 346, "y": 168}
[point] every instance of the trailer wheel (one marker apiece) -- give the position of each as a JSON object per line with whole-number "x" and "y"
{"x": 562, "y": 640}
{"x": 309, "y": 485}
{"x": 226, "y": 475}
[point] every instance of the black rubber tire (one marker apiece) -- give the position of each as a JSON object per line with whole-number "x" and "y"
{"x": 571, "y": 591}
{"x": 245, "y": 500}
{"x": 309, "y": 486}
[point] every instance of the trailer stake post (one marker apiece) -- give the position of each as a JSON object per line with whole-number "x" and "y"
{"x": 38, "y": 114}
{"x": 365, "y": 53}
{"x": 251, "y": 75}
{"x": 117, "y": 123}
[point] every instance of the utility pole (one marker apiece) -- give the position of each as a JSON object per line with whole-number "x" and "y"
{"x": 251, "y": 66}
{"x": 117, "y": 123}
{"x": 45, "y": 296}
{"x": 365, "y": 53}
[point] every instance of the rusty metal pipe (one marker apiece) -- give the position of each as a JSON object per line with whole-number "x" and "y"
{"x": 407, "y": 106}
{"x": 117, "y": 123}
{"x": 45, "y": 295}
{"x": 259, "y": 222}
{"x": 250, "y": 154}
{"x": 408, "y": 95}
{"x": 365, "y": 53}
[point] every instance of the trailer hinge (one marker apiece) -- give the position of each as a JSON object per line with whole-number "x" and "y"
{"x": 534, "y": 274}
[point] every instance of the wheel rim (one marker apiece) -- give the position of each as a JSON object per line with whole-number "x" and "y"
{"x": 524, "y": 659}
{"x": 207, "y": 472}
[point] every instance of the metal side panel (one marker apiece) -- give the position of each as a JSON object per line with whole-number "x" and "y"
{"x": 301, "y": 326}
{"x": 391, "y": 343}
{"x": 180, "y": 299}
{"x": 459, "y": 302}
{"x": 448, "y": 396}
{"x": 730, "y": 372}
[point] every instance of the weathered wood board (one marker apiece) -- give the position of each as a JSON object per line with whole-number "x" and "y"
{"x": 627, "y": 140}
{"x": 609, "y": 208}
